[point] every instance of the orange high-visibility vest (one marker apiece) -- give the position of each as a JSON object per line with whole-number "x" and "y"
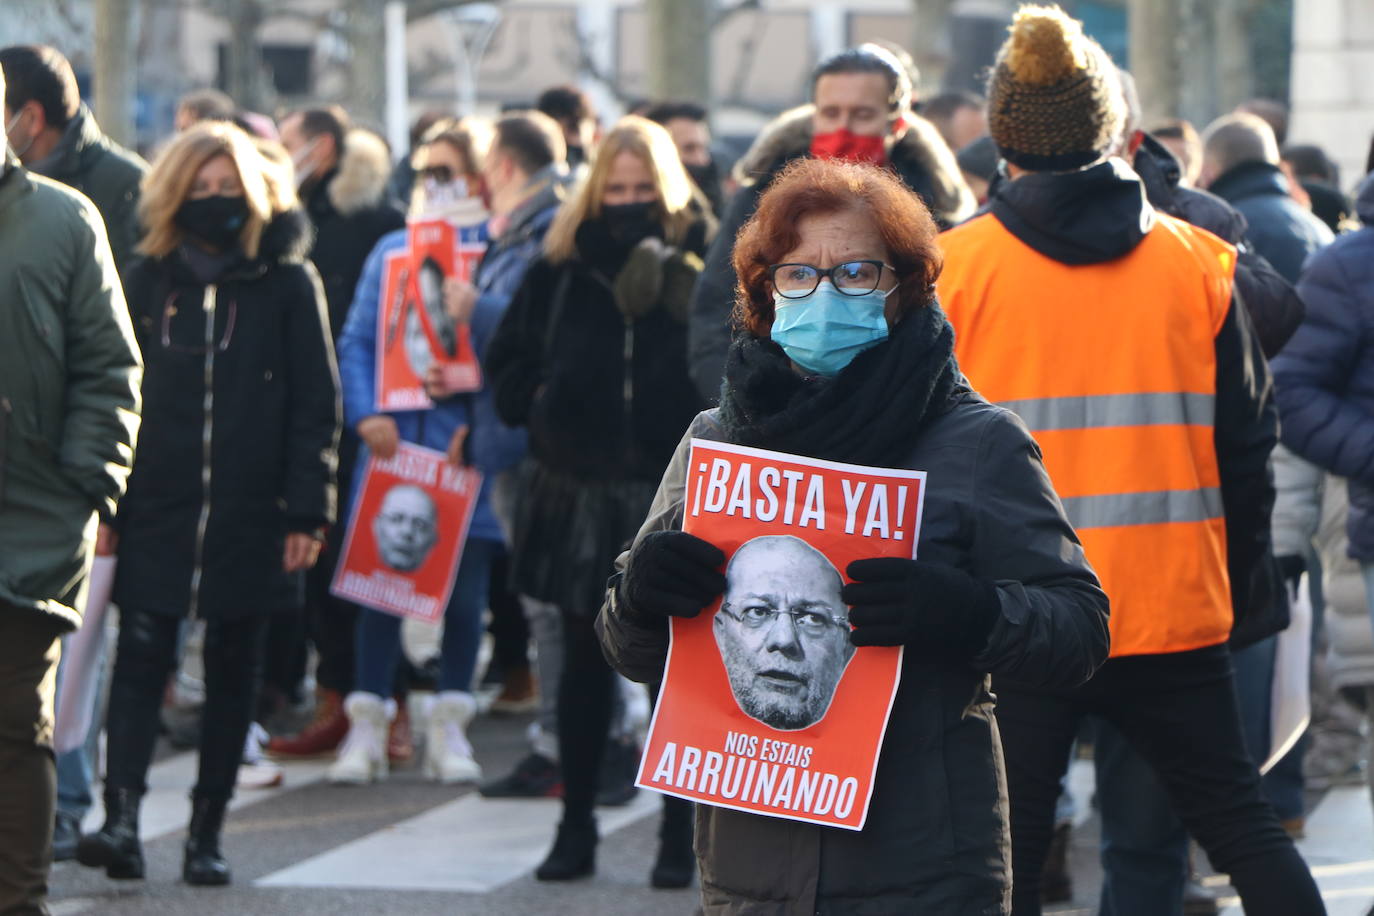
{"x": 1113, "y": 368}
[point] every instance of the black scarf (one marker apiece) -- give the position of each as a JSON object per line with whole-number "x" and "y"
{"x": 870, "y": 413}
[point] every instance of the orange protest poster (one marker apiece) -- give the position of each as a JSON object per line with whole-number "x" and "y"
{"x": 406, "y": 533}
{"x": 766, "y": 706}
{"x": 415, "y": 330}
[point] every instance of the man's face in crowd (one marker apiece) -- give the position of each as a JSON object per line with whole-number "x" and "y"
{"x": 855, "y": 101}
{"x": 966, "y": 125}
{"x": 693, "y": 140}
{"x": 782, "y": 631}
{"x": 406, "y": 528}
{"x": 309, "y": 155}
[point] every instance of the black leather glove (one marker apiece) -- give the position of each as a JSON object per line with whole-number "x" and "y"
{"x": 938, "y": 611}
{"x": 1292, "y": 566}
{"x": 672, "y": 574}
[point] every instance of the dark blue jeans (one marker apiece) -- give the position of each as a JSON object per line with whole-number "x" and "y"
{"x": 379, "y": 635}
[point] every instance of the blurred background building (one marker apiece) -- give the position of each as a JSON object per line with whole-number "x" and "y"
{"x": 748, "y": 59}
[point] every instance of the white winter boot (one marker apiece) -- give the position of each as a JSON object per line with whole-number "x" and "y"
{"x": 362, "y": 756}
{"x": 448, "y": 755}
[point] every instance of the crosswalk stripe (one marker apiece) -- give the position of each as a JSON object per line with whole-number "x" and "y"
{"x": 167, "y": 806}
{"x": 470, "y": 845}
{"x": 1340, "y": 826}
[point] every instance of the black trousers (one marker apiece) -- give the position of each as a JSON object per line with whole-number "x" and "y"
{"x": 29, "y": 650}
{"x": 586, "y": 700}
{"x": 510, "y": 632}
{"x": 1179, "y": 712}
{"x": 145, "y": 658}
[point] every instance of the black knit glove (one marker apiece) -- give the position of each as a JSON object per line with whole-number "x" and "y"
{"x": 938, "y": 611}
{"x": 672, "y": 574}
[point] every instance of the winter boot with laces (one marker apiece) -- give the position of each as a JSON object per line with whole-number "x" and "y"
{"x": 448, "y": 755}
{"x": 115, "y": 847}
{"x": 204, "y": 865}
{"x": 362, "y": 756}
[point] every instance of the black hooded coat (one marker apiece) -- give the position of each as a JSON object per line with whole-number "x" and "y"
{"x": 222, "y": 475}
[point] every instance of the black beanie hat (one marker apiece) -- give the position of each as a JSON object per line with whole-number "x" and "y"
{"x": 1054, "y": 98}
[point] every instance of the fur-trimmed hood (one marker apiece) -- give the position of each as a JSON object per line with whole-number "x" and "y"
{"x": 361, "y": 178}
{"x": 918, "y": 154}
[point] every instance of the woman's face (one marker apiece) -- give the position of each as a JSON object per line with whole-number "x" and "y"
{"x": 828, "y": 239}
{"x": 442, "y": 155}
{"x": 629, "y": 182}
{"x": 217, "y": 177}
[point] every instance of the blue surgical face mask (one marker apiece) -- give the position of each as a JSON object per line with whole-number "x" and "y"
{"x": 825, "y": 331}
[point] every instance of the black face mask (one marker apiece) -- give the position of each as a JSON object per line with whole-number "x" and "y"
{"x": 707, "y": 179}
{"x": 216, "y": 220}
{"x": 630, "y": 224}
{"x": 576, "y": 156}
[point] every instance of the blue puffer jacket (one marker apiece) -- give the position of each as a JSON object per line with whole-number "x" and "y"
{"x": 432, "y": 428}
{"x": 494, "y": 446}
{"x": 1280, "y": 230}
{"x": 1325, "y": 376}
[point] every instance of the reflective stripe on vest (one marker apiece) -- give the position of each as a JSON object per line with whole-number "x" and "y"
{"x": 1103, "y": 410}
{"x": 1112, "y": 367}
{"x": 1159, "y": 508}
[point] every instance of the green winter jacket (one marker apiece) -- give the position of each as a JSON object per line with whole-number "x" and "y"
{"x": 69, "y": 391}
{"x": 105, "y": 172}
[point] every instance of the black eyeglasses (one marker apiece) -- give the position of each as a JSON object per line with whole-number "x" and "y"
{"x": 808, "y": 622}
{"x": 440, "y": 173}
{"x": 852, "y": 278}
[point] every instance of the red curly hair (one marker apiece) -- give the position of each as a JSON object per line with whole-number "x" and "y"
{"x": 808, "y": 187}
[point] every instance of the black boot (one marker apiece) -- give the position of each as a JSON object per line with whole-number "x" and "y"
{"x": 115, "y": 847}
{"x": 676, "y": 862}
{"x": 203, "y": 865}
{"x": 573, "y": 854}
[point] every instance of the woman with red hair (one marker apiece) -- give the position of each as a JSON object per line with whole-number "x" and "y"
{"x": 844, "y": 354}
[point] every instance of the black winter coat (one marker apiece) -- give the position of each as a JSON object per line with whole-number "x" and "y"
{"x": 1279, "y": 228}
{"x": 105, "y": 172}
{"x": 936, "y": 842}
{"x": 605, "y": 397}
{"x": 222, "y": 476}
{"x": 350, "y": 217}
{"x": 1273, "y": 304}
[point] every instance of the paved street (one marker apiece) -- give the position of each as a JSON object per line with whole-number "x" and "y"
{"x": 410, "y": 847}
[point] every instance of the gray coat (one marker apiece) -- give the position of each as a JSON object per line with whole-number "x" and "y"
{"x": 937, "y": 839}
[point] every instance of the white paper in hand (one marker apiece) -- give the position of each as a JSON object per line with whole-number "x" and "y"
{"x": 1290, "y": 705}
{"x": 81, "y": 655}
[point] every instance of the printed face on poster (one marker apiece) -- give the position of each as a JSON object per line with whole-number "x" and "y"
{"x": 406, "y": 533}
{"x": 766, "y": 705}
{"x": 415, "y": 331}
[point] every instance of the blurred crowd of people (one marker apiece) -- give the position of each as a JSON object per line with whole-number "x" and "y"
{"x": 1178, "y": 318}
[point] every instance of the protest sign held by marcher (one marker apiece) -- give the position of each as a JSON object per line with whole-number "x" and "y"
{"x": 767, "y": 706}
{"x": 415, "y": 331}
{"x": 406, "y": 534}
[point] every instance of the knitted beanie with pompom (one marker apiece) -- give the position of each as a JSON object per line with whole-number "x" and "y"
{"x": 1054, "y": 97}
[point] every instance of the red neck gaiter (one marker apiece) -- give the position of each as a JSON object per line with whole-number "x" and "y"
{"x": 842, "y": 144}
